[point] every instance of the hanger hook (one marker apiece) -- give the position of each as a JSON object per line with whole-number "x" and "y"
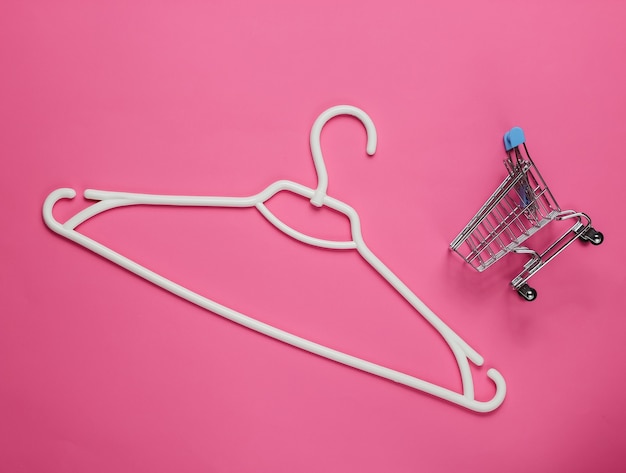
{"x": 316, "y": 148}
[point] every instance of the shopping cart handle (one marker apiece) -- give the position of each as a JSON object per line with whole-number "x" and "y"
{"x": 513, "y": 138}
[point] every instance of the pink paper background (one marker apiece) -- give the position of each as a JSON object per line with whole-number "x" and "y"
{"x": 100, "y": 371}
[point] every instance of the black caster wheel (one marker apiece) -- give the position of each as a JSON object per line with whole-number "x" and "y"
{"x": 527, "y": 292}
{"x": 597, "y": 238}
{"x": 592, "y": 236}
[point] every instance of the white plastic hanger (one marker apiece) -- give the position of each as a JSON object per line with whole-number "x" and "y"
{"x": 108, "y": 200}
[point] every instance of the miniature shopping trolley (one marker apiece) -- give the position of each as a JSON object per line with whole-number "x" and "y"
{"x": 519, "y": 207}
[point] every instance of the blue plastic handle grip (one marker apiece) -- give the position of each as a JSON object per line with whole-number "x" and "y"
{"x": 513, "y": 138}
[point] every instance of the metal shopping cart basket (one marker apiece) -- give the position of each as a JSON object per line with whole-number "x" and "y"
{"x": 519, "y": 207}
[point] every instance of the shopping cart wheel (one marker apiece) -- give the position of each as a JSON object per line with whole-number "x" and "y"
{"x": 527, "y": 292}
{"x": 593, "y": 236}
{"x": 597, "y": 238}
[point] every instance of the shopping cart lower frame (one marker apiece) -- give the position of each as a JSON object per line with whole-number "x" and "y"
{"x": 520, "y": 206}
